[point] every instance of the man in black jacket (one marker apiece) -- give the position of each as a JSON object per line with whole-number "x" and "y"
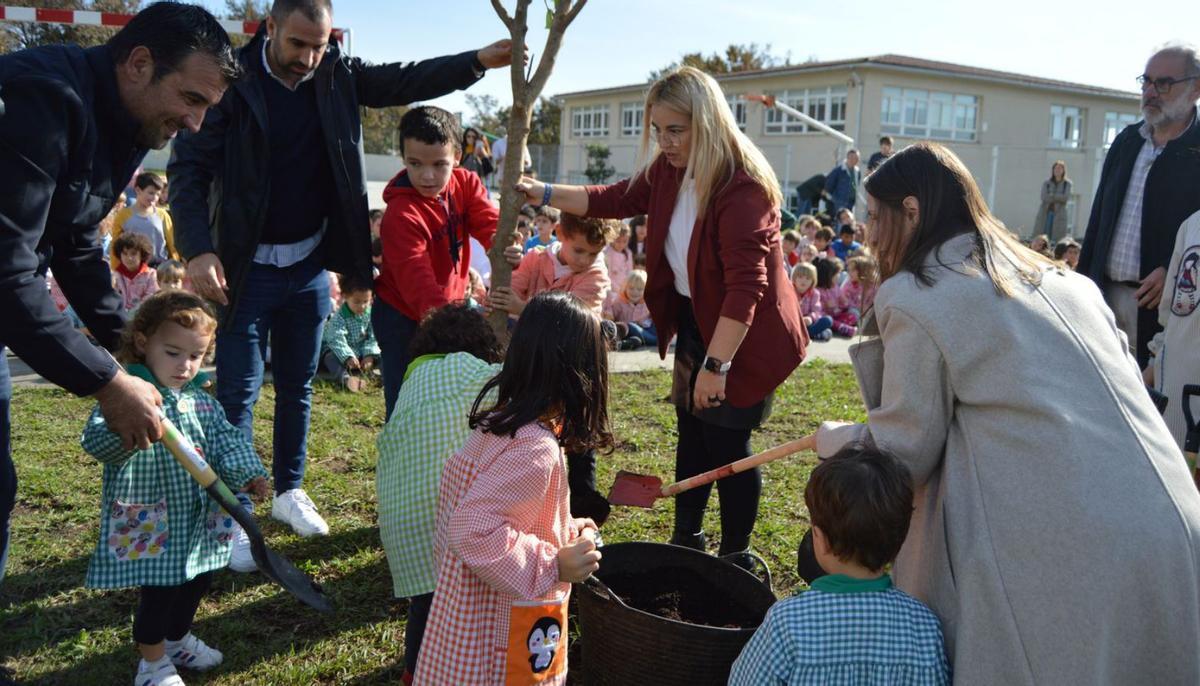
{"x": 1150, "y": 183}
{"x": 281, "y": 159}
{"x": 74, "y": 125}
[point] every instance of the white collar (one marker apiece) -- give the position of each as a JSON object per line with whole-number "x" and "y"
{"x": 267, "y": 66}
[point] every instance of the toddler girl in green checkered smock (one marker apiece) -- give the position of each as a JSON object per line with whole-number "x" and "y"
{"x": 158, "y": 528}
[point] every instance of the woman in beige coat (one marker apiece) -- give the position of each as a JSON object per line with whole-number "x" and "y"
{"x": 1056, "y": 530}
{"x": 1056, "y": 193}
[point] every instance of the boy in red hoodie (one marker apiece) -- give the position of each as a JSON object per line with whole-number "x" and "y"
{"x": 434, "y": 207}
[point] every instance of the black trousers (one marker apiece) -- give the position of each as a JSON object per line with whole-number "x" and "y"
{"x": 703, "y": 446}
{"x": 166, "y": 612}
{"x": 414, "y": 629}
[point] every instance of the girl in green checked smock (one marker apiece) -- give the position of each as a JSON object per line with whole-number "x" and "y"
{"x": 454, "y": 353}
{"x": 158, "y": 528}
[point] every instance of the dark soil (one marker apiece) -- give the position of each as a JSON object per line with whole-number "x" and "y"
{"x": 683, "y": 595}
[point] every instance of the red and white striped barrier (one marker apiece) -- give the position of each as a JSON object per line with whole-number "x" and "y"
{"x": 85, "y": 18}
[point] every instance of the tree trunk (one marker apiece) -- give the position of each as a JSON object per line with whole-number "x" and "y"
{"x": 525, "y": 95}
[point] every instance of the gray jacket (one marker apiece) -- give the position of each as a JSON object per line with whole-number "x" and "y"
{"x": 1056, "y": 530}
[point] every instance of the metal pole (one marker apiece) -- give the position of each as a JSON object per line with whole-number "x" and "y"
{"x": 820, "y": 126}
{"x": 991, "y": 200}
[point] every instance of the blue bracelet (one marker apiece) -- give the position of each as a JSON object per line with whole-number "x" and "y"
{"x": 546, "y": 194}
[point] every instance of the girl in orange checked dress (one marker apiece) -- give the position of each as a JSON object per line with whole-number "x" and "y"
{"x": 507, "y": 546}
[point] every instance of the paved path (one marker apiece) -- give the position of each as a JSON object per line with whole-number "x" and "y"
{"x": 619, "y": 363}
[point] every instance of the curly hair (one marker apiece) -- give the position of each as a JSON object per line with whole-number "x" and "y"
{"x": 133, "y": 241}
{"x": 185, "y": 309}
{"x": 596, "y": 231}
{"x": 456, "y": 328}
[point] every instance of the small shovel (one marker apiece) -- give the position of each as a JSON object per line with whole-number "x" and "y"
{"x": 640, "y": 490}
{"x": 275, "y": 566}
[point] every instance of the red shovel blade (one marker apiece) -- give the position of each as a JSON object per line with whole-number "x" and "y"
{"x": 638, "y": 490}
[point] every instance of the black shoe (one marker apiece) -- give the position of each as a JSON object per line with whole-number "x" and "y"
{"x": 631, "y": 343}
{"x": 694, "y": 541}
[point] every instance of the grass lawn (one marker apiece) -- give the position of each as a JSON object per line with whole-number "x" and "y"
{"x": 53, "y": 631}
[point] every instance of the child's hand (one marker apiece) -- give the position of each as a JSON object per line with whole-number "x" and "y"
{"x": 503, "y": 298}
{"x": 352, "y": 363}
{"x": 513, "y": 255}
{"x": 578, "y": 560}
{"x": 258, "y": 487}
{"x": 1148, "y": 375}
{"x": 807, "y": 321}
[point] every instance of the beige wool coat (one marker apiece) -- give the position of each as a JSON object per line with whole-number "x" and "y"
{"x": 1056, "y": 531}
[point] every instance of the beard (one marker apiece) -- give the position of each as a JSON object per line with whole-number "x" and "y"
{"x": 1169, "y": 111}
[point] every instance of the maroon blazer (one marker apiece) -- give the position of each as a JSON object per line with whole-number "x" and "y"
{"x": 735, "y": 269}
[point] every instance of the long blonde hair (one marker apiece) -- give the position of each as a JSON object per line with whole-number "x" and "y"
{"x": 719, "y": 148}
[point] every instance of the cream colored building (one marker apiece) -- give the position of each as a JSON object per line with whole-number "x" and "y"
{"x": 1008, "y": 128}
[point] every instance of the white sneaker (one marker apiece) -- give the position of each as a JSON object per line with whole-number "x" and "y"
{"x": 192, "y": 653}
{"x": 241, "y": 559}
{"x": 160, "y": 673}
{"x": 296, "y": 509}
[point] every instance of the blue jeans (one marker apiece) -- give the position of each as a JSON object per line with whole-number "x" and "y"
{"x": 292, "y": 303}
{"x": 1048, "y": 229}
{"x": 394, "y": 332}
{"x": 819, "y": 325}
{"x": 8, "y": 471}
{"x": 648, "y": 334}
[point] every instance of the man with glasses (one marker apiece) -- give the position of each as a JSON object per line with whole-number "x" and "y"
{"x": 1149, "y": 185}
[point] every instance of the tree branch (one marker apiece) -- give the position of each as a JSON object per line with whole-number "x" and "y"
{"x": 574, "y": 13}
{"x": 503, "y": 14}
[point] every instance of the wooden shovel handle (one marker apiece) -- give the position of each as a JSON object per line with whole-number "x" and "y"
{"x": 186, "y": 454}
{"x": 789, "y": 448}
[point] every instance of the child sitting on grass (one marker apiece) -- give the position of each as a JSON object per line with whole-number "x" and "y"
{"x": 618, "y": 259}
{"x": 845, "y": 322}
{"x": 631, "y": 313}
{"x": 349, "y": 341}
{"x": 134, "y": 280}
{"x": 507, "y": 546}
{"x": 858, "y": 292}
{"x": 812, "y": 313}
{"x": 455, "y": 353}
{"x": 159, "y": 530}
{"x": 853, "y": 627}
{"x": 171, "y": 274}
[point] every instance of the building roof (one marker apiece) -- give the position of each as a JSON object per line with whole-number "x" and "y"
{"x": 900, "y": 63}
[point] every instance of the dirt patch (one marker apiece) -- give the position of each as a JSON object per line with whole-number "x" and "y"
{"x": 682, "y": 595}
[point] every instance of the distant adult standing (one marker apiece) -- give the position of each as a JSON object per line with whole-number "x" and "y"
{"x": 1056, "y": 193}
{"x": 74, "y": 125}
{"x": 283, "y": 155}
{"x": 476, "y": 156}
{"x": 881, "y": 156}
{"x": 841, "y": 184}
{"x": 1147, "y": 188}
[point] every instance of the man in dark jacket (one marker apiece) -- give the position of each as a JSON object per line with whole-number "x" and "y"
{"x": 1150, "y": 183}
{"x": 74, "y": 125}
{"x": 841, "y": 184}
{"x": 281, "y": 159}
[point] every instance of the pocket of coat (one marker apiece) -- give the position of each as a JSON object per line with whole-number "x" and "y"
{"x": 137, "y": 531}
{"x": 219, "y": 525}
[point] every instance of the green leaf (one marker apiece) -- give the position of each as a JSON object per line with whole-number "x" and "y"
{"x": 549, "y": 17}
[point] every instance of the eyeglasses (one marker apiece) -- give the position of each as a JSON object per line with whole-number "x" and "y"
{"x": 668, "y": 137}
{"x": 1162, "y": 85}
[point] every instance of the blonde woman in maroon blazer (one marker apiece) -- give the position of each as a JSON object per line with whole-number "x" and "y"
{"x": 717, "y": 278}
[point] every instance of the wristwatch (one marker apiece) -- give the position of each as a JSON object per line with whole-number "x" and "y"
{"x": 712, "y": 364}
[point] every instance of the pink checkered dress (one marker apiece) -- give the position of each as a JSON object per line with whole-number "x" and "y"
{"x": 503, "y": 514}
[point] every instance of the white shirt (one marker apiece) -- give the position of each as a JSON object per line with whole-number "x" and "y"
{"x": 679, "y": 235}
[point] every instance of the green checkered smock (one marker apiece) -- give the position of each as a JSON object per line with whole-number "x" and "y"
{"x": 158, "y": 527}
{"x": 350, "y": 335}
{"x": 428, "y": 424}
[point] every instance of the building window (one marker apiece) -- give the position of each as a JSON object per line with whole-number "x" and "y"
{"x": 826, "y": 105}
{"x": 928, "y": 114}
{"x": 589, "y": 122}
{"x": 631, "y": 118}
{"x": 1114, "y": 123}
{"x": 1066, "y": 126}
{"x": 737, "y": 105}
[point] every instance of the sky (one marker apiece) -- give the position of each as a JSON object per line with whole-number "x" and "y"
{"x": 619, "y": 42}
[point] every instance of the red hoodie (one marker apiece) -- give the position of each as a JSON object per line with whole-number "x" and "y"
{"x": 418, "y": 273}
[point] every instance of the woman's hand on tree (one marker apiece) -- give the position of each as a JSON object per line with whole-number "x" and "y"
{"x": 709, "y": 391}
{"x": 531, "y": 188}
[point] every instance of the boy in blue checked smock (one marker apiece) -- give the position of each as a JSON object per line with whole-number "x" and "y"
{"x": 158, "y": 528}
{"x": 853, "y": 627}
{"x": 349, "y": 341}
{"x": 454, "y": 353}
